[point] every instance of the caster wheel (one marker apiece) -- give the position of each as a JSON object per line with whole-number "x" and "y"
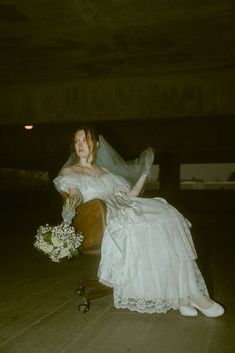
{"x": 84, "y": 308}
{"x": 80, "y": 291}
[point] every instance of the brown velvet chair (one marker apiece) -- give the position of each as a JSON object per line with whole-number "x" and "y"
{"x": 90, "y": 220}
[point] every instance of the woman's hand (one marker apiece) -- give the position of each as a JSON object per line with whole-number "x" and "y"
{"x": 69, "y": 208}
{"x": 68, "y": 216}
{"x": 148, "y": 158}
{"x": 121, "y": 193}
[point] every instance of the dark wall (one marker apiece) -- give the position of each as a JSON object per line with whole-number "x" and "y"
{"x": 183, "y": 140}
{"x": 189, "y": 140}
{"x": 195, "y": 93}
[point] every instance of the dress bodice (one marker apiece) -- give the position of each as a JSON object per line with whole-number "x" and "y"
{"x": 92, "y": 186}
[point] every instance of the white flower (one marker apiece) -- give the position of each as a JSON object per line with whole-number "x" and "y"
{"x": 58, "y": 241}
{"x": 46, "y": 248}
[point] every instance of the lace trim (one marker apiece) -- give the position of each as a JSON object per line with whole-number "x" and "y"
{"x": 200, "y": 280}
{"x": 149, "y": 306}
{"x": 159, "y": 305}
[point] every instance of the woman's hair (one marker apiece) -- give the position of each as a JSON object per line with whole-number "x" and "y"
{"x": 92, "y": 141}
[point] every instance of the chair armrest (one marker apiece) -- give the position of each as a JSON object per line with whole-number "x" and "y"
{"x": 90, "y": 220}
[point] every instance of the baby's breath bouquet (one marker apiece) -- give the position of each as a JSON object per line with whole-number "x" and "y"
{"x": 62, "y": 240}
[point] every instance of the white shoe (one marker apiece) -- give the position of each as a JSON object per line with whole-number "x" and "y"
{"x": 214, "y": 311}
{"x": 188, "y": 311}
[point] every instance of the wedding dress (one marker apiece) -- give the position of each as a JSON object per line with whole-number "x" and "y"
{"x": 147, "y": 254}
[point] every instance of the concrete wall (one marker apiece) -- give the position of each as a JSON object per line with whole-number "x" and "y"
{"x": 191, "y": 94}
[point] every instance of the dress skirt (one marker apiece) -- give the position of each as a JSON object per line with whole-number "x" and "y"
{"x": 148, "y": 256}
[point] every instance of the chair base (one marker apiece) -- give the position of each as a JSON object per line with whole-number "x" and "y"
{"x": 90, "y": 289}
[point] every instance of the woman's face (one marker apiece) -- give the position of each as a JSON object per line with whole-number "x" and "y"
{"x": 81, "y": 144}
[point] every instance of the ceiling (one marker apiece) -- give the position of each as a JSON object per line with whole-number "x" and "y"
{"x": 57, "y": 40}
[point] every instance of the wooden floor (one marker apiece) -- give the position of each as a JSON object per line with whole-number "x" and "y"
{"x": 38, "y": 307}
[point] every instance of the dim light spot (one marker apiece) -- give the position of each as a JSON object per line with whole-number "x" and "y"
{"x": 28, "y": 127}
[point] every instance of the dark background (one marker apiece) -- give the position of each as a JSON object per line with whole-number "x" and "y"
{"x": 157, "y": 73}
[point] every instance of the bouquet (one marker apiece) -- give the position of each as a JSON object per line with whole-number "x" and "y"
{"x": 61, "y": 240}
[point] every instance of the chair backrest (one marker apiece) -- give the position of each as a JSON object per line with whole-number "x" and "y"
{"x": 90, "y": 220}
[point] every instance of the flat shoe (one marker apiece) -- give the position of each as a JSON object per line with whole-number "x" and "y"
{"x": 214, "y": 311}
{"x": 188, "y": 311}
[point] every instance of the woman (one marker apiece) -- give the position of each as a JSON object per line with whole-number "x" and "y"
{"x": 147, "y": 254}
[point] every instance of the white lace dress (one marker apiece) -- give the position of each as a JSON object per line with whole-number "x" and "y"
{"x": 147, "y": 254}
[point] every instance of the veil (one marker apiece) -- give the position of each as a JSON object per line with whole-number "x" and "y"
{"x": 108, "y": 158}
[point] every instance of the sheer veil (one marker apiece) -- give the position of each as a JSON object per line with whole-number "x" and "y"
{"x": 108, "y": 158}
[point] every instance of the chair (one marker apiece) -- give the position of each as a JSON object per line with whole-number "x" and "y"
{"x": 90, "y": 220}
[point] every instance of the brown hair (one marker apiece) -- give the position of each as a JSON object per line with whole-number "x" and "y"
{"x": 92, "y": 139}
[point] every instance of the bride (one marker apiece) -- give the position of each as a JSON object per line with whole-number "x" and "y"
{"x": 147, "y": 254}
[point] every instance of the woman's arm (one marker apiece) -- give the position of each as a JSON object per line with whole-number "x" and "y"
{"x": 135, "y": 191}
{"x": 75, "y": 193}
{"x": 72, "y": 200}
{"x": 148, "y": 158}
{"x": 70, "y": 205}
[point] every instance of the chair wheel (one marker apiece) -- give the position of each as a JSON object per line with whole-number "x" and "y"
{"x": 84, "y": 308}
{"x": 79, "y": 291}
